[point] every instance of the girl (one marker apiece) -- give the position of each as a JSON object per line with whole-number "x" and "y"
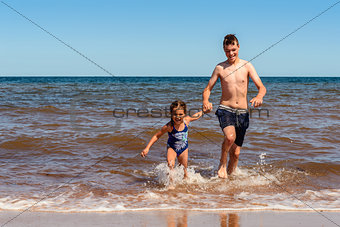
{"x": 177, "y": 129}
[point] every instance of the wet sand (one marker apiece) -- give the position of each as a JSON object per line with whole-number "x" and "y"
{"x": 171, "y": 218}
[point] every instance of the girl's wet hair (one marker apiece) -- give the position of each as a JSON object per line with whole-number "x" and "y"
{"x": 178, "y": 104}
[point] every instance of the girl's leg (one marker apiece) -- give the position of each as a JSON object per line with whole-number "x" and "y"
{"x": 171, "y": 157}
{"x": 183, "y": 160}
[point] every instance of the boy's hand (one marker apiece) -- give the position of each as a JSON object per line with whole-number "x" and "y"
{"x": 256, "y": 102}
{"x": 207, "y": 107}
{"x": 144, "y": 152}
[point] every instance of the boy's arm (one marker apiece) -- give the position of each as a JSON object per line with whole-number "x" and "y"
{"x": 154, "y": 138}
{"x": 207, "y": 106}
{"x": 258, "y": 100}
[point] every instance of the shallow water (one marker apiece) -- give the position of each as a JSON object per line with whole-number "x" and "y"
{"x": 73, "y": 144}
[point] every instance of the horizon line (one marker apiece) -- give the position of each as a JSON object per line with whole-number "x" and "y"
{"x": 158, "y": 76}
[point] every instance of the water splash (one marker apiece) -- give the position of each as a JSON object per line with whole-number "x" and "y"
{"x": 175, "y": 177}
{"x": 262, "y": 157}
{"x": 165, "y": 176}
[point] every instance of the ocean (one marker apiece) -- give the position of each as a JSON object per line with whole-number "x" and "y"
{"x": 72, "y": 144}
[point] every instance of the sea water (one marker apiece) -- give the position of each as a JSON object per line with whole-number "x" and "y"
{"x": 73, "y": 144}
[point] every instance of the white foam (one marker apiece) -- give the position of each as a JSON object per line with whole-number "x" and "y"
{"x": 192, "y": 193}
{"x": 159, "y": 201}
{"x": 151, "y": 195}
{"x": 120, "y": 206}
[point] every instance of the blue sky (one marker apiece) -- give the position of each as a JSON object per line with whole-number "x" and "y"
{"x": 167, "y": 37}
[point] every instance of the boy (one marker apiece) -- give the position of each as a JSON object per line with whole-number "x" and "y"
{"x": 232, "y": 112}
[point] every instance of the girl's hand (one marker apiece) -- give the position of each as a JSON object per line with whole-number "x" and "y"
{"x": 144, "y": 152}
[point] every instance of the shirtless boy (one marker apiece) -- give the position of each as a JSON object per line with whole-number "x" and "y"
{"x": 232, "y": 112}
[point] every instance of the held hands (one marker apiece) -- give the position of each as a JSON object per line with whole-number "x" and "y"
{"x": 207, "y": 107}
{"x": 144, "y": 152}
{"x": 256, "y": 102}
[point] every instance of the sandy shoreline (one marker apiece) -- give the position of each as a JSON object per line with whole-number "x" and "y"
{"x": 172, "y": 218}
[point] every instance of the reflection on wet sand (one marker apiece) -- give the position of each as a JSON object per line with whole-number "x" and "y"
{"x": 181, "y": 220}
{"x": 229, "y": 220}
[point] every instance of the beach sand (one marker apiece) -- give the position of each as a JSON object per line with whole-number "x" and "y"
{"x": 172, "y": 218}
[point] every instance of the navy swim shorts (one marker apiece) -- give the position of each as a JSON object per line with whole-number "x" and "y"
{"x": 238, "y": 118}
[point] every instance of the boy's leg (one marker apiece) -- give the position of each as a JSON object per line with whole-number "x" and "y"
{"x": 183, "y": 160}
{"x": 235, "y": 149}
{"x": 229, "y": 138}
{"x": 234, "y": 153}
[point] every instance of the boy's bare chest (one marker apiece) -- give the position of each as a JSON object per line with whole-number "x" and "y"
{"x": 234, "y": 75}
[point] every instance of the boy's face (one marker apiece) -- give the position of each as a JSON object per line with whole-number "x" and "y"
{"x": 231, "y": 51}
{"x": 178, "y": 115}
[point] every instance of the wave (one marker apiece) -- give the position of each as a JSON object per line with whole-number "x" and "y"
{"x": 23, "y": 142}
{"x": 323, "y": 200}
{"x": 48, "y": 109}
{"x": 247, "y": 190}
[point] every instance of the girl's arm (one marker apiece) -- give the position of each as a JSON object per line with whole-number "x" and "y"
{"x": 194, "y": 117}
{"x": 155, "y": 137}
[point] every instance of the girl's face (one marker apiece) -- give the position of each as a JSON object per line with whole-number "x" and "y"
{"x": 177, "y": 115}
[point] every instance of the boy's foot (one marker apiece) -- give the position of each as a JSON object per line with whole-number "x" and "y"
{"x": 222, "y": 171}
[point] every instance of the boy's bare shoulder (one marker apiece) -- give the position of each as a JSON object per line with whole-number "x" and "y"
{"x": 247, "y": 64}
{"x": 221, "y": 65}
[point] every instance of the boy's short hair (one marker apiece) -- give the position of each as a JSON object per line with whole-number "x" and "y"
{"x": 230, "y": 39}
